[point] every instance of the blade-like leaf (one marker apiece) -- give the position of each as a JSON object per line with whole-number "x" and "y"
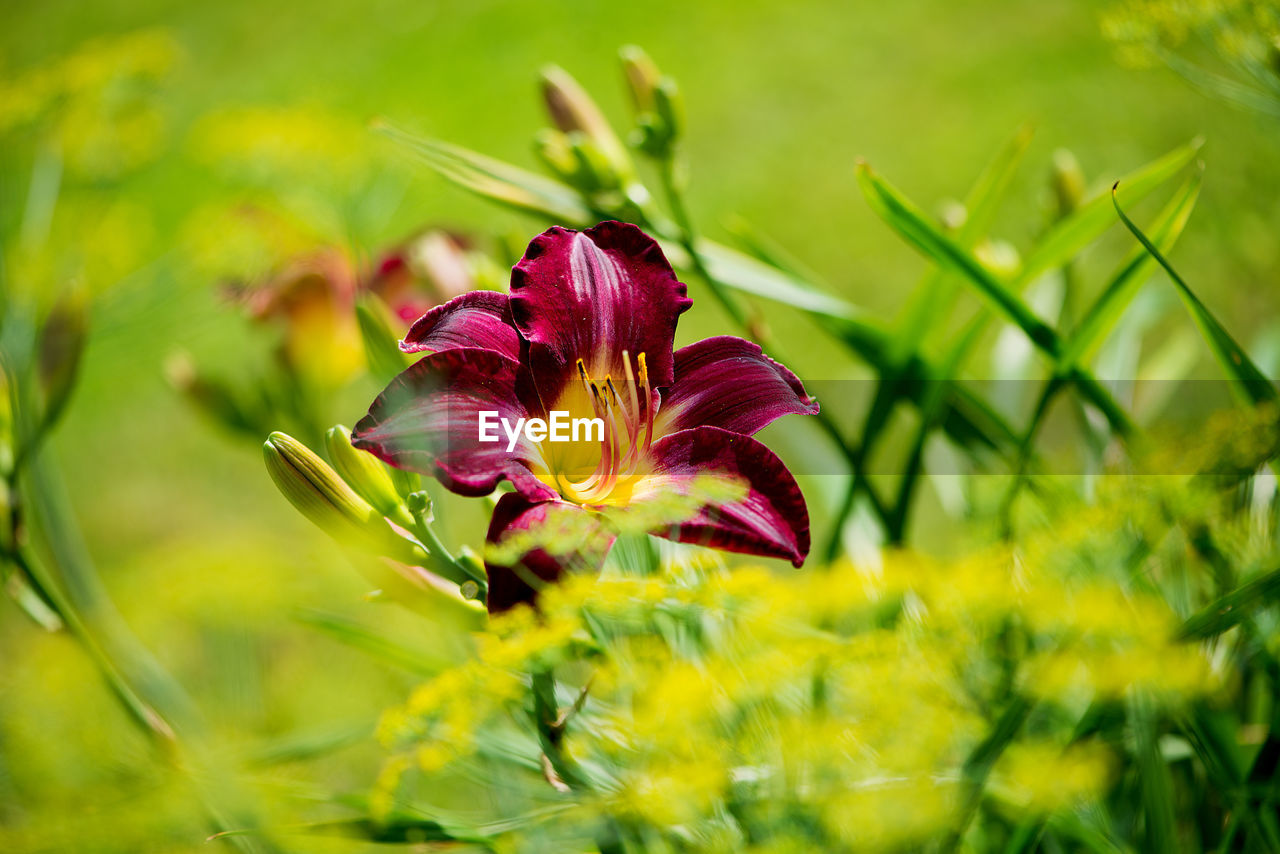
{"x": 379, "y": 646}
{"x": 1230, "y": 610}
{"x": 1089, "y": 221}
{"x": 496, "y": 180}
{"x": 380, "y": 349}
{"x": 744, "y": 273}
{"x": 297, "y": 747}
{"x": 1250, "y": 382}
{"x": 1106, "y": 310}
{"x": 911, "y": 223}
{"x": 933, "y": 296}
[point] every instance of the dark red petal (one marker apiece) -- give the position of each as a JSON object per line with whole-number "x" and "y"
{"x": 476, "y": 320}
{"x": 770, "y": 519}
{"x": 427, "y": 421}
{"x": 578, "y": 543}
{"x": 729, "y": 383}
{"x": 592, "y": 294}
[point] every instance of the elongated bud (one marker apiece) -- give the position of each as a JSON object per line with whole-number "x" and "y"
{"x": 61, "y": 344}
{"x": 668, "y": 103}
{"x": 642, "y": 77}
{"x": 572, "y": 109}
{"x": 1068, "y": 182}
{"x": 364, "y": 473}
{"x": 322, "y": 496}
{"x": 659, "y": 126}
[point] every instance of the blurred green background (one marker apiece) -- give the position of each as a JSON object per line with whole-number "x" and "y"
{"x": 210, "y": 567}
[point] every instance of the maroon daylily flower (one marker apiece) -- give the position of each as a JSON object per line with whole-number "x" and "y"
{"x": 588, "y": 330}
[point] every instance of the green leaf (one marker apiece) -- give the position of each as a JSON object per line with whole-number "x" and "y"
{"x": 1250, "y": 382}
{"x": 382, "y": 353}
{"x": 297, "y": 747}
{"x": 379, "y": 646}
{"x": 1230, "y": 610}
{"x": 1154, "y": 780}
{"x": 1106, "y": 310}
{"x": 933, "y": 296}
{"x": 32, "y": 603}
{"x": 1089, "y": 221}
{"x": 496, "y": 180}
{"x": 909, "y": 222}
{"x": 747, "y": 275}
{"x": 912, "y": 224}
{"x": 394, "y": 829}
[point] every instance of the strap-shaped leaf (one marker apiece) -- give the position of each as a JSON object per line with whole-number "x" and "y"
{"x": 1089, "y": 221}
{"x": 1250, "y": 383}
{"x": 912, "y": 224}
{"x": 930, "y": 301}
{"x": 1111, "y": 303}
{"x": 496, "y": 180}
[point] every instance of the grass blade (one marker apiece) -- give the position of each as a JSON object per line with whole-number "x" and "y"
{"x": 1251, "y": 383}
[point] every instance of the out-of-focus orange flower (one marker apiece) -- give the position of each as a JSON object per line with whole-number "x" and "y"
{"x": 313, "y": 298}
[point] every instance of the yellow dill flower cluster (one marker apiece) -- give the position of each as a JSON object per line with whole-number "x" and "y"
{"x": 1243, "y": 31}
{"x": 279, "y": 144}
{"x": 97, "y": 103}
{"x": 832, "y": 709}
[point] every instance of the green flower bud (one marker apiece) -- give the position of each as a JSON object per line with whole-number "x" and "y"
{"x": 364, "y": 473}
{"x": 322, "y": 496}
{"x": 420, "y": 505}
{"x": 642, "y": 77}
{"x": 669, "y": 105}
{"x": 1067, "y": 181}
{"x": 61, "y": 344}
{"x": 572, "y": 110}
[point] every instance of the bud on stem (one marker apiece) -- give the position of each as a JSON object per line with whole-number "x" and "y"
{"x": 572, "y": 110}
{"x": 322, "y": 496}
{"x": 364, "y": 473}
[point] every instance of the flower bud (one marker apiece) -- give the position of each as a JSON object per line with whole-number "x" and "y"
{"x": 658, "y": 129}
{"x": 668, "y": 103}
{"x": 1068, "y": 182}
{"x": 61, "y": 344}
{"x": 322, "y": 496}
{"x": 364, "y": 473}
{"x": 420, "y": 505}
{"x": 572, "y": 109}
{"x": 642, "y": 77}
